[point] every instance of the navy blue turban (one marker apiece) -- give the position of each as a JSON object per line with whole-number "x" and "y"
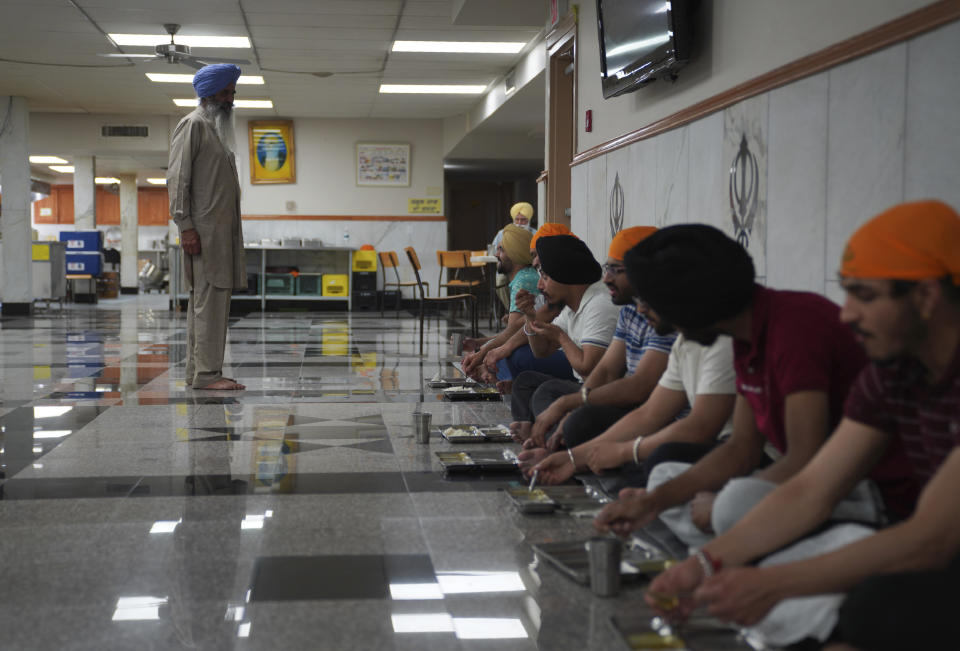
{"x": 568, "y": 260}
{"x": 211, "y": 79}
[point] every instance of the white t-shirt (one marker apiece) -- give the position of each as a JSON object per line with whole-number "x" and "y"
{"x": 696, "y": 369}
{"x": 595, "y": 320}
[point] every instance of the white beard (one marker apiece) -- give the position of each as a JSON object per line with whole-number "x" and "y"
{"x": 223, "y": 125}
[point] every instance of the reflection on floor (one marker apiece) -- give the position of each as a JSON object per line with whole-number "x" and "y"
{"x": 299, "y": 514}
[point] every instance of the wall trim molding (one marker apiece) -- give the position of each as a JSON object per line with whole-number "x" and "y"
{"x": 348, "y": 218}
{"x": 896, "y": 31}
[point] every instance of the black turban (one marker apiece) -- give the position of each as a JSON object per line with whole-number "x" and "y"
{"x": 692, "y": 275}
{"x": 568, "y": 260}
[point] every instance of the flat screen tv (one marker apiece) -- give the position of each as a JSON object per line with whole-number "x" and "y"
{"x": 642, "y": 40}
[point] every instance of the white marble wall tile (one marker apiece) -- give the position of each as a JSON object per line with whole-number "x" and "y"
{"x": 707, "y": 200}
{"x": 932, "y": 124}
{"x": 596, "y": 228}
{"x": 834, "y": 291}
{"x": 746, "y": 123}
{"x": 865, "y": 150}
{"x": 797, "y": 185}
{"x": 579, "y": 189}
{"x": 618, "y": 175}
{"x": 640, "y": 192}
{"x": 671, "y": 190}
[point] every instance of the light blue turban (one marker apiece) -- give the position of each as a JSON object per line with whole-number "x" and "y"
{"x": 211, "y": 79}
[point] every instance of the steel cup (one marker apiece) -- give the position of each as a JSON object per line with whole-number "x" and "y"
{"x": 421, "y": 426}
{"x": 456, "y": 343}
{"x": 604, "y": 554}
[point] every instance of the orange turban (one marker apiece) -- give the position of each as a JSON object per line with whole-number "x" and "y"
{"x": 548, "y": 229}
{"x": 911, "y": 241}
{"x": 627, "y": 239}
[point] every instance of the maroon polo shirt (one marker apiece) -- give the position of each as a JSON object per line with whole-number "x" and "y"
{"x": 797, "y": 343}
{"x": 923, "y": 418}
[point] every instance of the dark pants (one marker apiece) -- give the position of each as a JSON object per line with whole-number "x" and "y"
{"x": 522, "y": 359}
{"x": 910, "y": 610}
{"x": 636, "y": 476}
{"x": 533, "y": 392}
{"x": 590, "y": 421}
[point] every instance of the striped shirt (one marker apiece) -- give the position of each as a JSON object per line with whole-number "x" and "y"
{"x": 639, "y": 336}
{"x": 898, "y": 400}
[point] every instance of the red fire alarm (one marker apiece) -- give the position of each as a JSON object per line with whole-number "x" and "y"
{"x": 588, "y": 122}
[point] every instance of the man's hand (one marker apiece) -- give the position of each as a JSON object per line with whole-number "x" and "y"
{"x": 634, "y": 509}
{"x": 701, "y": 510}
{"x": 603, "y": 456}
{"x": 190, "y": 241}
{"x": 471, "y": 344}
{"x": 555, "y": 469}
{"x": 547, "y": 419}
{"x": 743, "y": 595}
{"x": 525, "y": 302}
{"x": 471, "y": 362}
{"x": 548, "y": 331}
{"x": 678, "y": 582}
{"x": 492, "y": 357}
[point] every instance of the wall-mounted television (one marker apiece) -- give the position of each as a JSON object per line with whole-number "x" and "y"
{"x": 643, "y": 40}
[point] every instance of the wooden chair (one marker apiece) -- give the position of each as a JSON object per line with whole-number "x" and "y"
{"x": 388, "y": 259}
{"x": 488, "y": 277}
{"x": 469, "y": 299}
{"x": 459, "y": 262}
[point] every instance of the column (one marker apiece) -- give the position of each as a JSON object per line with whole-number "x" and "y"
{"x": 84, "y": 193}
{"x": 16, "y": 288}
{"x": 129, "y": 252}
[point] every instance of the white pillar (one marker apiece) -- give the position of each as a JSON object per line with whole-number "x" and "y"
{"x": 128, "y": 226}
{"x": 84, "y": 193}
{"x": 16, "y": 289}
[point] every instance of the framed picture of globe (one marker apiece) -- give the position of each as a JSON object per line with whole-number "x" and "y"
{"x": 271, "y": 151}
{"x": 383, "y": 164}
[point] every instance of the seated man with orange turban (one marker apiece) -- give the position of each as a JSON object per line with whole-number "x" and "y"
{"x": 901, "y": 272}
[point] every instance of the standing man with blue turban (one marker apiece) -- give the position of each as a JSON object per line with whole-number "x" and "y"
{"x": 205, "y": 204}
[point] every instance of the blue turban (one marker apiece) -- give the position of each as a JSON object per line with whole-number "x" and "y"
{"x": 211, "y": 79}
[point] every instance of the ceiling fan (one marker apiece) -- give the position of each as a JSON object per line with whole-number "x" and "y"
{"x": 176, "y": 53}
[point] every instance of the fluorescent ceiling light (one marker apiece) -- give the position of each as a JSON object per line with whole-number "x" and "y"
{"x": 481, "y": 47}
{"x": 188, "y": 79}
{"x": 192, "y": 41}
{"x": 443, "y": 89}
{"x": 157, "y": 181}
{"x": 63, "y": 169}
{"x": 47, "y": 160}
{"x": 237, "y": 103}
{"x": 105, "y": 180}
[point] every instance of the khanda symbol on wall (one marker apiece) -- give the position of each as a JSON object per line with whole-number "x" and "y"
{"x": 616, "y": 206}
{"x": 744, "y": 192}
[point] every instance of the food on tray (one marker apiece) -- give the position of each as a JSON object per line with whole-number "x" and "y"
{"x": 653, "y": 640}
{"x": 456, "y": 432}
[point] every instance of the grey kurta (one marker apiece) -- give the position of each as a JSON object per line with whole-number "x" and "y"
{"x": 205, "y": 194}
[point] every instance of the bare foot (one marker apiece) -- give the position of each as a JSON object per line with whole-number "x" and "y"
{"x": 223, "y": 384}
{"x": 505, "y": 387}
{"x": 520, "y": 430}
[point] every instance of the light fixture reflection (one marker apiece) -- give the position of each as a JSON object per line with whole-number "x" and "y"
{"x": 52, "y": 433}
{"x": 243, "y": 630}
{"x": 138, "y": 608}
{"x": 415, "y": 591}
{"x": 479, "y": 582}
{"x": 436, "y": 623}
{"x": 165, "y": 526}
{"x": 483, "y": 628}
{"x": 50, "y": 412}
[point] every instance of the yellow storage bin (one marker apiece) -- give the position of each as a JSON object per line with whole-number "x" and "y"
{"x": 364, "y": 260}
{"x": 335, "y": 284}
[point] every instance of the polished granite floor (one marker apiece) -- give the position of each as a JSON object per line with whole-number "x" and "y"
{"x": 299, "y": 514}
